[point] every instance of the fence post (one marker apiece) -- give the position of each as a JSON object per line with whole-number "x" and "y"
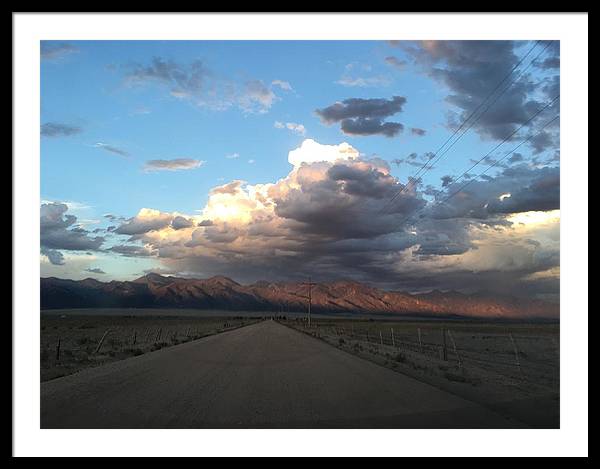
{"x": 102, "y": 340}
{"x": 58, "y": 350}
{"x": 455, "y": 350}
{"x": 516, "y": 351}
{"x": 134, "y": 336}
{"x": 420, "y": 343}
{"x": 368, "y": 339}
{"x": 393, "y": 341}
{"x": 444, "y": 349}
{"x": 381, "y": 337}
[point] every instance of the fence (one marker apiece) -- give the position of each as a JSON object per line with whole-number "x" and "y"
{"x": 496, "y": 351}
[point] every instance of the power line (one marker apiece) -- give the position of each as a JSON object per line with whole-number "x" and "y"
{"x": 495, "y": 163}
{"x": 506, "y": 139}
{"x": 440, "y": 155}
{"x": 484, "y": 111}
{"x": 416, "y": 175}
{"x": 309, "y": 284}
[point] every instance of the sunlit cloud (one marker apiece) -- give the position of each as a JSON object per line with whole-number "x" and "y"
{"x": 177, "y": 164}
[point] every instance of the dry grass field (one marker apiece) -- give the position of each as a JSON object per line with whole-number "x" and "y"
{"x": 125, "y": 335}
{"x": 510, "y": 367}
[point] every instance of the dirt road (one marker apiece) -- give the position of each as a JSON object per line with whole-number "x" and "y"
{"x": 261, "y": 376}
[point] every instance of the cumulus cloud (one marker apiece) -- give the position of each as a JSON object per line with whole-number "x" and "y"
{"x": 177, "y": 164}
{"x": 59, "y": 231}
{"x": 358, "y": 116}
{"x": 56, "y": 129}
{"x": 326, "y": 216}
{"x": 311, "y": 151}
{"x": 111, "y": 149}
{"x": 146, "y": 220}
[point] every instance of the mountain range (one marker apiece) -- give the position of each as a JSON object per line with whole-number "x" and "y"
{"x": 222, "y": 293}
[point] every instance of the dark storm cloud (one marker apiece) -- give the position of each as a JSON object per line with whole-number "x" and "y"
{"x": 549, "y": 63}
{"x": 59, "y": 232}
{"x": 361, "y": 108}
{"x": 55, "y": 257}
{"x": 129, "y": 250}
{"x": 516, "y": 189}
{"x": 364, "y": 126}
{"x": 180, "y": 222}
{"x": 143, "y": 224}
{"x": 541, "y": 194}
{"x": 471, "y": 70}
{"x": 56, "y": 129}
{"x": 541, "y": 141}
{"x": 358, "y": 182}
{"x": 359, "y": 116}
{"x": 344, "y": 203}
{"x": 516, "y": 158}
{"x": 328, "y": 217}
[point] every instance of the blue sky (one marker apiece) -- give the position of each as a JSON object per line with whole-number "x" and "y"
{"x": 233, "y": 110}
{"x": 84, "y": 89}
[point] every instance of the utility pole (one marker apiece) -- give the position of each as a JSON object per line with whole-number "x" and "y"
{"x": 309, "y": 284}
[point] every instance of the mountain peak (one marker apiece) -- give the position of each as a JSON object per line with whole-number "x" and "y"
{"x": 153, "y": 277}
{"x": 220, "y": 292}
{"x": 221, "y": 279}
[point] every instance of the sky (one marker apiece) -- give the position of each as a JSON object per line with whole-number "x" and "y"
{"x": 408, "y": 165}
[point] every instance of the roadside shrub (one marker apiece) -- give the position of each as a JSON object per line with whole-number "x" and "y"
{"x": 341, "y": 341}
{"x": 158, "y": 346}
{"x": 400, "y": 357}
{"x": 455, "y": 377}
{"x": 84, "y": 340}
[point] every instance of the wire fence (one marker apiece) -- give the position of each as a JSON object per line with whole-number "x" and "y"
{"x": 528, "y": 357}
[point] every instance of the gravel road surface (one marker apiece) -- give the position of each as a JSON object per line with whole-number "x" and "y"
{"x": 261, "y": 376}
